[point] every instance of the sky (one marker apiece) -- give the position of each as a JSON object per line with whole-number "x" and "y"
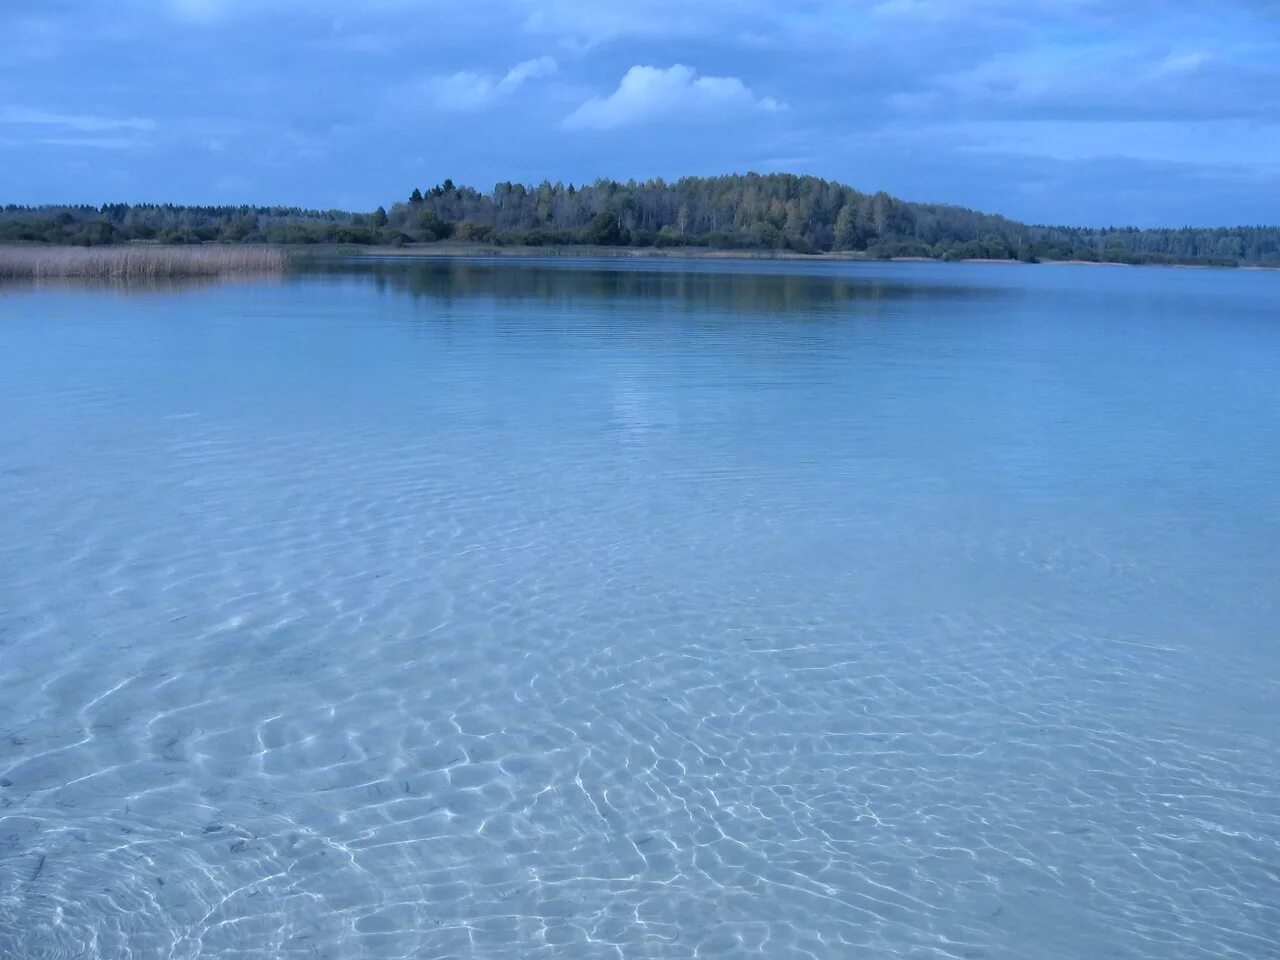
{"x": 1092, "y": 112}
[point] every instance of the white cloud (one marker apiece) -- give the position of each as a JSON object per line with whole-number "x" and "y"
{"x": 471, "y": 90}
{"x": 81, "y": 122}
{"x": 653, "y": 93}
{"x": 1183, "y": 63}
{"x": 528, "y": 70}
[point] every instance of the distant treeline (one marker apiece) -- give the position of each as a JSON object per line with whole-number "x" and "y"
{"x": 738, "y": 212}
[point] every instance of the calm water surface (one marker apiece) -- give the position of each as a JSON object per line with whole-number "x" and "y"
{"x": 611, "y": 609}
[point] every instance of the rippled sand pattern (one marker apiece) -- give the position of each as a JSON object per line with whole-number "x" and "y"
{"x": 532, "y": 611}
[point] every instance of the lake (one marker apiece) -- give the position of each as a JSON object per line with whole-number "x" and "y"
{"x": 665, "y": 609}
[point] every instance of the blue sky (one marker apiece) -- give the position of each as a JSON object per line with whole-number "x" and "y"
{"x": 1064, "y": 111}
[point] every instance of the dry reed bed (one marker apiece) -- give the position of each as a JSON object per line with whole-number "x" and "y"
{"x": 137, "y": 263}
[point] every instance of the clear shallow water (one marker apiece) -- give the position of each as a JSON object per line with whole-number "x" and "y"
{"x": 645, "y": 610}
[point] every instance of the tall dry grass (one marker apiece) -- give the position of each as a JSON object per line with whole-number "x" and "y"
{"x": 137, "y": 263}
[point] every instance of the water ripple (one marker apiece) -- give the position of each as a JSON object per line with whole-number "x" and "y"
{"x": 429, "y": 670}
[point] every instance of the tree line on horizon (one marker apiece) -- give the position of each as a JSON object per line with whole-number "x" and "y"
{"x": 782, "y": 212}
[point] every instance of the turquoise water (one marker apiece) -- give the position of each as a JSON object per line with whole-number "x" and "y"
{"x": 643, "y": 609}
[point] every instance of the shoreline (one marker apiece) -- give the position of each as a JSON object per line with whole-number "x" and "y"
{"x": 201, "y": 258}
{"x": 445, "y": 250}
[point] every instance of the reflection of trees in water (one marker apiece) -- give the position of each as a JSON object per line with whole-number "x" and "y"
{"x": 734, "y": 289}
{"x": 130, "y": 286}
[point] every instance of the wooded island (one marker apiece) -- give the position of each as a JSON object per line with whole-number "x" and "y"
{"x": 748, "y": 212}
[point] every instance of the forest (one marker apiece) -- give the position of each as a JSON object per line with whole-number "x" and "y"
{"x": 756, "y": 212}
